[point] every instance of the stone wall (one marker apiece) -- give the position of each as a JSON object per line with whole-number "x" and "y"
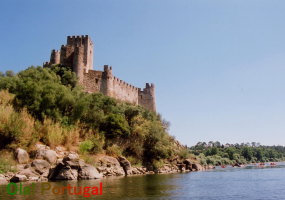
{"x": 92, "y": 81}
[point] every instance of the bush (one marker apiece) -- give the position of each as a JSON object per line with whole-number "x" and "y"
{"x": 86, "y": 146}
{"x": 6, "y": 162}
{"x": 114, "y": 150}
{"x": 15, "y": 127}
{"x": 52, "y": 133}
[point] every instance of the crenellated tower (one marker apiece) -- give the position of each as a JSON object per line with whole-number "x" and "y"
{"x": 146, "y": 97}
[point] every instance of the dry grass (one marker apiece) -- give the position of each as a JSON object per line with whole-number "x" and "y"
{"x": 7, "y": 162}
{"x": 17, "y": 127}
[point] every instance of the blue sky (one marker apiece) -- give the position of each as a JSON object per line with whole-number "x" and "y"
{"x": 218, "y": 66}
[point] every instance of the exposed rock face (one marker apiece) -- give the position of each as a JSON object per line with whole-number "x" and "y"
{"x": 188, "y": 164}
{"x": 3, "y": 179}
{"x": 18, "y": 178}
{"x": 40, "y": 166}
{"x": 109, "y": 166}
{"x": 29, "y": 172}
{"x": 50, "y": 156}
{"x": 65, "y": 173}
{"x": 168, "y": 169}
{"x": 22, "y": 156}
{"x": 197, "y": 167}
{"x": 125, "y": 164}
{"x": 89, "y": 172}
{"x": 71, "y": 168}
{"x": 44, "y": 152}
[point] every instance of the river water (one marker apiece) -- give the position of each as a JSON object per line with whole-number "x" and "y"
{"x": 250, "y": 182}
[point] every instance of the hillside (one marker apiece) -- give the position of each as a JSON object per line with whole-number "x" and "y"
{"x": 47, "y": 106}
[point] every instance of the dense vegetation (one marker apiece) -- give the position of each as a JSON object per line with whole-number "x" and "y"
{"x": 216, "y": 153}
{"x": 47, "y": 105}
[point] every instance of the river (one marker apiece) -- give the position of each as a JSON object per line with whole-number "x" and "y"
{"x": 250, "y": 182}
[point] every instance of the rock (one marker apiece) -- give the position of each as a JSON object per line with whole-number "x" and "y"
{"x": 40, "y": 166}
{"x": 188, "y": 164}
{"x": 44, "y": 152}
{"x": 89, "y": 172}
{"x": 197, "y": 167}
{"x": 3, "y": 179}
{"x": 66, "y": 173}
{"x": 50, "y": 156}
{"x": 72, "y": 168}
{"x": 207, "y": 167}
{"x": 18, "y": 178}
{"x": 125, "y": 164}
{"x": 36, "y": 178}
{"x": 71, "y": 157}
{"x": 40, "y": 150}
{"x": 181, "y": 167}
{"x": 22, "y": 156}
{"x": 60, "y": 151}
{"x": 142, "y": 170}
{"x": 109, "y": 166}
{"x": 29, "y": 172}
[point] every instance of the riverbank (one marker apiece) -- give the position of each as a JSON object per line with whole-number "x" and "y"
{"x": 46, "y": 164}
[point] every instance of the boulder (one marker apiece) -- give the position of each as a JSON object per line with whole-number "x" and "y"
{"x": 72, "y": 168}
{"x": 22, "y": 156}
{"x": 3, "y": 179}
{"x": 181, "y": 167}
{"x": 125, "y": 164}
{"x": 197, "y": 167}
{"x": 188, "y": 164}
{"x": 88, "y": 172}
{"x": 18, "y": 178}
{"x": 109, "y": 166}
{"x": 50, "y": 156}
{"x": 44, "y": 152}
{"x": 29, "y": 172}
{"x": 71, "y": 157}
{"x": 40, "y": 166}
{"x": 67, "y": 173}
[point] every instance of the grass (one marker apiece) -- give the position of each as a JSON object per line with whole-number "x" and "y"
{"x": 7, "y": 162}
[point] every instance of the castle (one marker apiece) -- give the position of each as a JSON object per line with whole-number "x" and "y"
{"x": 78, "y": 54}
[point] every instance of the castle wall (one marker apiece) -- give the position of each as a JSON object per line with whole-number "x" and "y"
{"x": 106, "y": 83}
{"x": 92, "y": 81}
{"x": 124, "y": 91}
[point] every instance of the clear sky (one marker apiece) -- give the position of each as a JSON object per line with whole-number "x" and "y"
{"x": 218, "y": 66}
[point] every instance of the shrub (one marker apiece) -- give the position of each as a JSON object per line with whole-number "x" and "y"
{"x": 6, "y": 162}
{"x": 52, "y": 133}
{"x": 114, "y": 150}
{"x": 86, "y": 146}
{"x": 15, "y": 127}
{"x": 157, "y": 164}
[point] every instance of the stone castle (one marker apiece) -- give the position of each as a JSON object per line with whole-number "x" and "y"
{"x": 78, "y": 54}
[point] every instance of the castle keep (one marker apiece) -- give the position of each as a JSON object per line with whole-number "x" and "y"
{"x": 78, "y": 54}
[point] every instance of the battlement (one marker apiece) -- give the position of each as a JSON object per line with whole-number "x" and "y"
{"x": 79, "y": 40}
{"x": 107, "y": 68}
{"x": 78, "y": 55}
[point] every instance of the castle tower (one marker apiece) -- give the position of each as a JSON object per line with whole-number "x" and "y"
{"x": 78, "y": 63}
{"x": 87, "y": 44}
{"x": 55, "y": 57}
{"x": 107, "y": 81}
{"x": 146, "y": 97}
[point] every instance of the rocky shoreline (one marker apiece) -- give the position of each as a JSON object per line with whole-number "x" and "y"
{"x": 59, "y": 164}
